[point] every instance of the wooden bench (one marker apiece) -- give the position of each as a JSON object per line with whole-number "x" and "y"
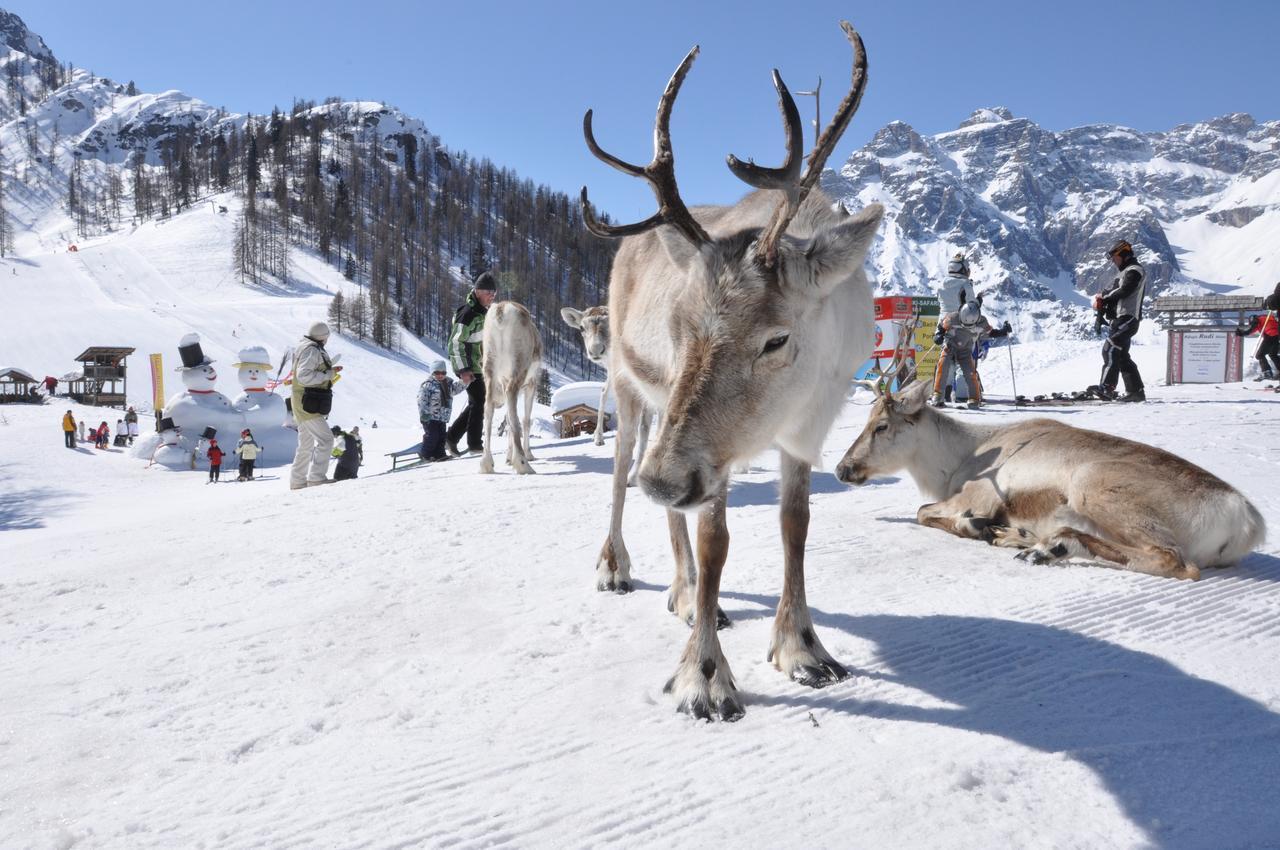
{"x": 405, "y": 456}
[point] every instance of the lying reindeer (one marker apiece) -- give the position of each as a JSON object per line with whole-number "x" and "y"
{"x": 1055, "y": 491}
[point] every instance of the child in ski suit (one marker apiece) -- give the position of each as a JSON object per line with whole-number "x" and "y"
{"x": 102, "y": 436}
{"x": 435, "y": 403}
{"x": 215, "y": 456}
{"x": 248, "y": 449}
{"x": 1269, "y": 346}
{"x": 959, "y": 333}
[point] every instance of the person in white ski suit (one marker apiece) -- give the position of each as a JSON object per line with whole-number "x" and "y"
{"x": 955, "y": 292}
{"x": 312, "y": 369}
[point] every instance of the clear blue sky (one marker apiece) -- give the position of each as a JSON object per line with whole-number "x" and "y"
{"x": 510, "y": 80}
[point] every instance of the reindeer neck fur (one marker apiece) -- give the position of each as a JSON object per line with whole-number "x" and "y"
{"x": 944, "y": 445}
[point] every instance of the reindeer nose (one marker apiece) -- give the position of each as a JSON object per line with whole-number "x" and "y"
{"x": 680, "y": 492}
{"x": 850, "y": 473}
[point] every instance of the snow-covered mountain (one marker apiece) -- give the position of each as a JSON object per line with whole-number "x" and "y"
{"x": 1036, "y": 209}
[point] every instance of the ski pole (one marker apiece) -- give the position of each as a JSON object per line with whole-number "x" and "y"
{"x": 1013, "y": 376}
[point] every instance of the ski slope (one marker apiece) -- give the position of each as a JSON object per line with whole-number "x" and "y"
{"x": 148, "y": 286}
{"x": 420, "y": 659}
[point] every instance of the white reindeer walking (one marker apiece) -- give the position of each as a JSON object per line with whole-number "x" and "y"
{"x": 512, "y": 361}
{"x": 593, "y": 323}
{"x": 1055, "y": 491}
{"x": 742, "y": 326}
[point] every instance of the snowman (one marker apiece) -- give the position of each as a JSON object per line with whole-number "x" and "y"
{"x": 200, "y": 408}
{"x": 263, "y": 411}
{"x": 169, "y": 451}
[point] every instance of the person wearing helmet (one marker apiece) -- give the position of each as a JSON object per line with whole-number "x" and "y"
{"x": 1268, "y": 353}
{"x": 958, "y": 333}
{"x": 1120, "y": 305}
{"x": 955, "y": 292}
{"x": 435, "y": 403}
{"x": 313, "y": 374}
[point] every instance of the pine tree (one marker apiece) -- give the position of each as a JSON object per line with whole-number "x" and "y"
{"x": 543, "y": 395}
{"x": 337, "y": 312}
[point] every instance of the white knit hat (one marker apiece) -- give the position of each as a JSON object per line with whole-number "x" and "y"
{"x": 319, "y": 330}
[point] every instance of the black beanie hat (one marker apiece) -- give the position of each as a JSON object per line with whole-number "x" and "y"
{"x": 486, "y": 281}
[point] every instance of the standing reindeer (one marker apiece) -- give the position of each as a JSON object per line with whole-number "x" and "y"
{"x": 511, "y": 362}
{"x": 593, "y": 323}
{"x": 742, "y": 326}
{"x": 1055, "y": 491}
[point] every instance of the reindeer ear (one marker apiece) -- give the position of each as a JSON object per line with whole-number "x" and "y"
{"x": 834, "y": 254}
{"x": 572, "y": 317}
{"x": 911, "y": 400}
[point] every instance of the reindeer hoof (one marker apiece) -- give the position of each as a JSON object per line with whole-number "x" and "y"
{"x": 715, "y": 700}
{"x": 612, "y": 585}
{"x": 1034, "y": 556}
{"x": 819, "y": 676}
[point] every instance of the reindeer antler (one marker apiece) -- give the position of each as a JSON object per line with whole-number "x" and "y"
{"x": 767, "y": 246}
{"x": 886, "y": 376}
{"x": 660, "y": 173}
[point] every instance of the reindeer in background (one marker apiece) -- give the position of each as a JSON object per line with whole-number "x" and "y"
{"x": 593, "y": 323}
{"x": 742, "y": 327}
{"x": 1055, "y": 491}
{"x": 511, "y": 362}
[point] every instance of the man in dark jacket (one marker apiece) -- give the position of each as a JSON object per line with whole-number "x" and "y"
{"x": 352, "y": 456}
{"x": 1121, "y": 305}
{"x": 466, "y": 356}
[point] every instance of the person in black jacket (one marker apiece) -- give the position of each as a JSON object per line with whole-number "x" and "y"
{"x": 1121, "y": 305}
{"x": 352, "y": 457}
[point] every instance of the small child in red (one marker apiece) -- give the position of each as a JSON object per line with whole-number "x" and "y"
{"x": 215, "y": 456}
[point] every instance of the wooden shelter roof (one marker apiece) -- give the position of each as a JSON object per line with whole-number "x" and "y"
{"x": 17, "y": 376}
{"x": 1207, "y": 303}
{"x": 117, "y": 353}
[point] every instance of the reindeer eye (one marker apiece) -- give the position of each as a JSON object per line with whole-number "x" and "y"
{"x": 776, "y": 343}
{"x": 881, "y": 428}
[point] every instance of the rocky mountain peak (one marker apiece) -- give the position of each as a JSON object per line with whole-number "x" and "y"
{"x": 992, "y": 115}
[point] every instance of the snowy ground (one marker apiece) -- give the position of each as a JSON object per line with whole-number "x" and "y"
{"x": 420, "y": 659}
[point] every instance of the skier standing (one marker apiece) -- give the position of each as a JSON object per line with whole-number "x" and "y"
{"x": 131, "y": 425}
{"x": 1269, "y": 346}
{"x": 215, "y": 456}
{"x": 248, "y": 450}
{"x": 465, "y": 355}
{"x": 312, "y": 397}
{"x": 69, "y": 429}
{"x": 955, "y": 292}
{"x": 958, "y": 333}
{"x": 435, "y": 401}
{"x": 1121, "y": 306}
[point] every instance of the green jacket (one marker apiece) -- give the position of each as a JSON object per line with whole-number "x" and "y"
{"x": 464, "y": 340}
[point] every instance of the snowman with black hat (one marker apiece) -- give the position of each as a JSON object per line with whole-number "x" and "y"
{"x": 199, "y": 410}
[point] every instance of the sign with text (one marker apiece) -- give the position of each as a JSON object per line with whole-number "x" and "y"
{"x": 1204, "y": 357}
{"x": 895, "y": 315}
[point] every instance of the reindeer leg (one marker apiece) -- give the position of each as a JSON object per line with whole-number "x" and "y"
{"x": 703, "y": 684}
{"x": 604, "y": 398}
{"x": 529, "y": 392}
{"x": 795, "y": 649}
{"x": 972, "y": 513}
{"x": 515, "y": 437}
{"x": 646, "y": 422}
{"x": 486, "y": 460}
{"x": 613, "y": 567}
{"x": 1150, "y": 557}
{"x": 681, "y": 598}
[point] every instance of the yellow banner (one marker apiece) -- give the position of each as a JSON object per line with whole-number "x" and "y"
{"x": 927, "y": 358}
{"x": 157, "y": 382}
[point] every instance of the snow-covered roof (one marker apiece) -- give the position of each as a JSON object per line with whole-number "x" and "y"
{"x": 580, "y": 392}
{"x": 14, "y": 373}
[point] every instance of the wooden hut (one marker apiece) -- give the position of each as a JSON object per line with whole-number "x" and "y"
{"x": 18, "y": 387}
{"x": 103, "y": 379}
{"x": 577, "y": 420}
